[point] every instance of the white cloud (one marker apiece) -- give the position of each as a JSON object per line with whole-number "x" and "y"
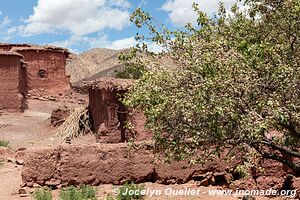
{"x": 76, "y": 42}
{"x": 12, "y": 30}
{"x": 154, "y": 47}
{"x": 101, "y": 41}
{"x": 80, "y": 17}
{"x": 123, "y": 43}
{"x": 181, "y": 11}
{"x": 142, "y": 3}
{"x": 4, "y": 23}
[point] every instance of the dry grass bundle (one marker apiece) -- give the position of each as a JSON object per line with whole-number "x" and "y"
{"x": 77, "y": 124}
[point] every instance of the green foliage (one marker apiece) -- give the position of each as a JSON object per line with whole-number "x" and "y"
{"x": 42, "y": 194}
{"x": 130, "y": 187}
{"x": 84, "y": 192}
{"x": 242, "y": 170}
{"x": 4, "y": 143}
{"x": 131, "y": 71}
{"x": 136, "y": 64}
{"x": 109, "y": 197}
{"x": 236, "y": 82}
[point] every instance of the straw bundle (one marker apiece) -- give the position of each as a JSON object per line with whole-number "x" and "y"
{"x": 77, "y": 124}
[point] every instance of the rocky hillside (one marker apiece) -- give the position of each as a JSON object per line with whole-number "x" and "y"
{"x": 102, "y": 62}
{"x": 92, "y": 62}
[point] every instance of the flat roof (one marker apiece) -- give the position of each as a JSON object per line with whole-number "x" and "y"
{"x": 41, "y": 48}
{"x": 110, "y": 83}
{"x": 10, "y": 53}
{"x": 15, "y": 45}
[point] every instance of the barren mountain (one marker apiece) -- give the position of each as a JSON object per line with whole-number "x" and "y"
{"x": 102, "y": 62}
{"x": 93, "y": 62}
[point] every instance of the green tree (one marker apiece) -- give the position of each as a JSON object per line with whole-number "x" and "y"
{"x": 236, "y": 81}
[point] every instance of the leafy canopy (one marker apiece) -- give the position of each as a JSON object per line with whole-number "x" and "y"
{"x": 235, "y": 81}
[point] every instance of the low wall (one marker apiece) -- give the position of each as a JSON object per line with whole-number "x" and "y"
{"x": 117, "y": 163}
{"x": 108, "y": 163}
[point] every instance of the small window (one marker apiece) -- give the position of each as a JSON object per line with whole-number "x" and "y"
{"x": 42, "y": 73}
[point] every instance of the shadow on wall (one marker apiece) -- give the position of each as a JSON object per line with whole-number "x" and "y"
{"x": 23, "y": 85}
{"x": 110, "y": 116}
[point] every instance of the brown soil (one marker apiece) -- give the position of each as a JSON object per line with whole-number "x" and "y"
{"x": 33, "y": 127}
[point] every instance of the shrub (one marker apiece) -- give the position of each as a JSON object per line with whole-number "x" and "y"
{"x": 4, "y": 143}
{"x": 130, "y": 187}
{"x": 84, "y": 192}
{"x": 42, "y": 194}
{"x": 109, "y": 197}
{"x": 88, "y": 192}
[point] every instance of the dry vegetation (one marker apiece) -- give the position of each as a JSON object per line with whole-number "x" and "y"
{"x": 78, "y": 123}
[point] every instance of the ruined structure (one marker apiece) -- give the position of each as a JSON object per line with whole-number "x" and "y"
{"x": 13, "y": 81}
{"x": 46, "y": 68}
{"x": 108, "y": 113}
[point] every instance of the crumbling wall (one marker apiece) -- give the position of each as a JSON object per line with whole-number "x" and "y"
{"x": 96, "y": 164}
{"x": 110, "y": 116}
{"x": 46, "y": 70}
{"x": 13, "y": 83}
{"x": 110, "y": 164}
{"x": 102, "y": 106}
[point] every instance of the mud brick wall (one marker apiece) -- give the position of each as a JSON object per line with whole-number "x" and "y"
{"x": 13, "y": 83}
{"x": 52, "y": 63}
{"x": 117, "y": 163}
{"x": 106, "y": 117}
{"x": 106, "y": 164}
{"x": 102, "y": 105}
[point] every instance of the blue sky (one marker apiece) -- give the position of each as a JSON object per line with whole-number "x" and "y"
{"x": 84, "y": 24}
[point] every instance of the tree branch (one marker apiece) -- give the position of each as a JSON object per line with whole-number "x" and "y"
{"x": 275, "y": 157}
{"x": 280, "y": 148}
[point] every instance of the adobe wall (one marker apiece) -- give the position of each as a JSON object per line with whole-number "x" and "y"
{"x": 53, "y": 78}
{"x": 109, "y": 116}
{"x": 96, "y": 164}
{"x": 108, "y": 164}
{"x": 12, "y": 83}
{"x": 102, "y": 105}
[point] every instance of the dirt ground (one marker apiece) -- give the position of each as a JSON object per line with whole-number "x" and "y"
{"x": 10, "y": 182}
{"x": 32, "y": 128}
